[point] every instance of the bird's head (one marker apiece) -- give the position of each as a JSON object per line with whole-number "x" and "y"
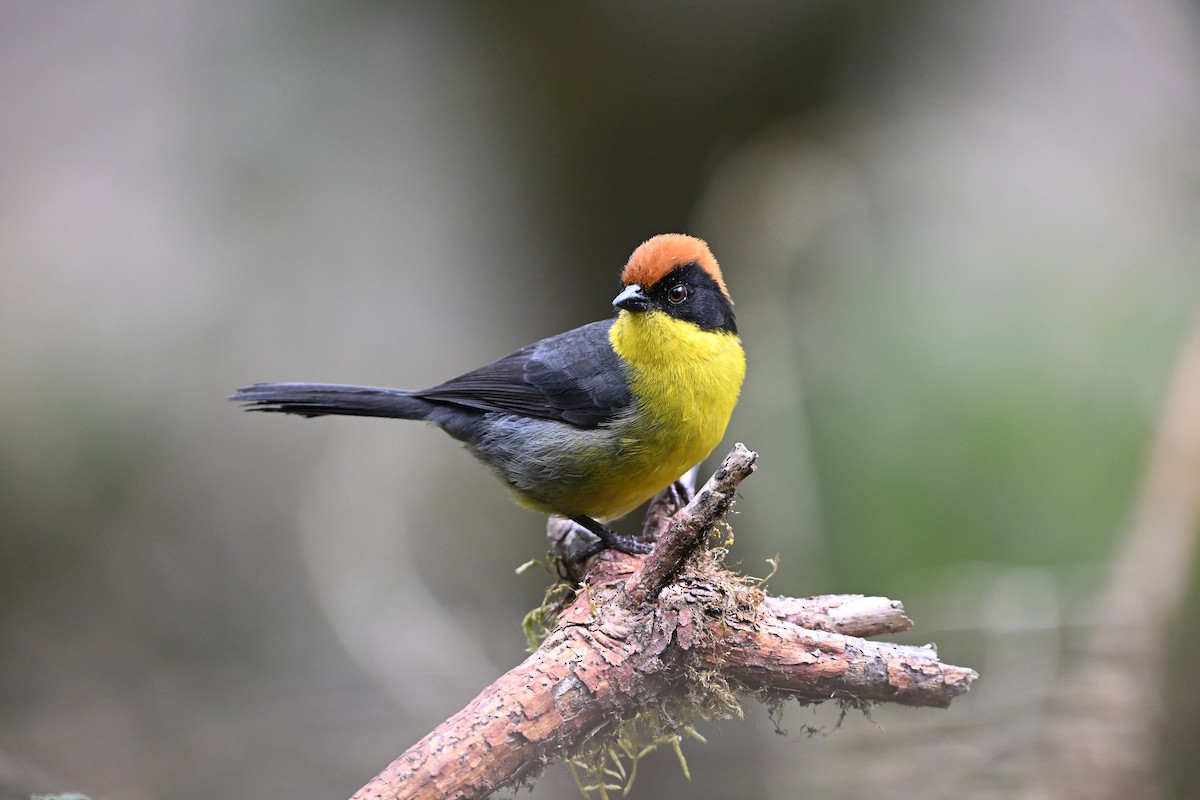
{"x": 677, "y": 275}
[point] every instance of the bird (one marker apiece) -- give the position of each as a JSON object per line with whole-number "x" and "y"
{"x": 590, "y": 423}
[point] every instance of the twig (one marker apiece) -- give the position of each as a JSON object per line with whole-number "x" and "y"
{"x": 851, "y": 614}
{"x": 692, "y": 524}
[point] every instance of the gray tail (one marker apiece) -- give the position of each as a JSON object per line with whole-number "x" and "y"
{"x": 318, "y": 399}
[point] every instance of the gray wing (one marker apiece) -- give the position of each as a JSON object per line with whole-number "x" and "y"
{"x": 573, "y": 377}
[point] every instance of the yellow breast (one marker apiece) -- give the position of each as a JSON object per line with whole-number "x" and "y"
{"x": 685, "y": 382}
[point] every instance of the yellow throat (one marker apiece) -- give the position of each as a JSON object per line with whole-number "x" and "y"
{"x": 685, "y": 382}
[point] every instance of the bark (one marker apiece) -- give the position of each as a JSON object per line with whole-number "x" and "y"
{"x": 644, "y": 629}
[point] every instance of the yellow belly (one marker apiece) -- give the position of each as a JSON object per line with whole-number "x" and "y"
{"x": 685, "y": 382}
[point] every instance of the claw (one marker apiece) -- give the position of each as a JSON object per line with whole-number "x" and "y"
{"x": 608, "y": 538}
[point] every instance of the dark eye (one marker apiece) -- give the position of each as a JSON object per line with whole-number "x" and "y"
{"x": 677, "y": 293}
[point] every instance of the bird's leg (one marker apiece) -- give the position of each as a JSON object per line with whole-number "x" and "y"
{"x": 666, "y": 504}
{"x": 684, "y": 489}
{"x": 680, "y": 493}
{"x": 609, "y": 539}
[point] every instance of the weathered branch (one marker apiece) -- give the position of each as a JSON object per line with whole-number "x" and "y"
{"x": 691, "y": 525}
{"x": 642, "y": 627}
{"x": 774, "y": 654}
{"x": 851, "y": 614}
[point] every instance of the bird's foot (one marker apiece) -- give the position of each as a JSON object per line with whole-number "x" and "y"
{"x": 607, "y": 539}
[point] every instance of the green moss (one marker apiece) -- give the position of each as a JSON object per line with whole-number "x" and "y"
{"x": 538, "y": 623}
{"x": 609, "y": 763}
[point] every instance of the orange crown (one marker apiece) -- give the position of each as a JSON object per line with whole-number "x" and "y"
{"x": 656, "y": 257}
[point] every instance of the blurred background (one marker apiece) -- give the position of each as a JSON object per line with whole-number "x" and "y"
{"x": 964, "y": 243}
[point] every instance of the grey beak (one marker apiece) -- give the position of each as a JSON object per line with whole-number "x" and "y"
{"x": 632, "y": 298}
